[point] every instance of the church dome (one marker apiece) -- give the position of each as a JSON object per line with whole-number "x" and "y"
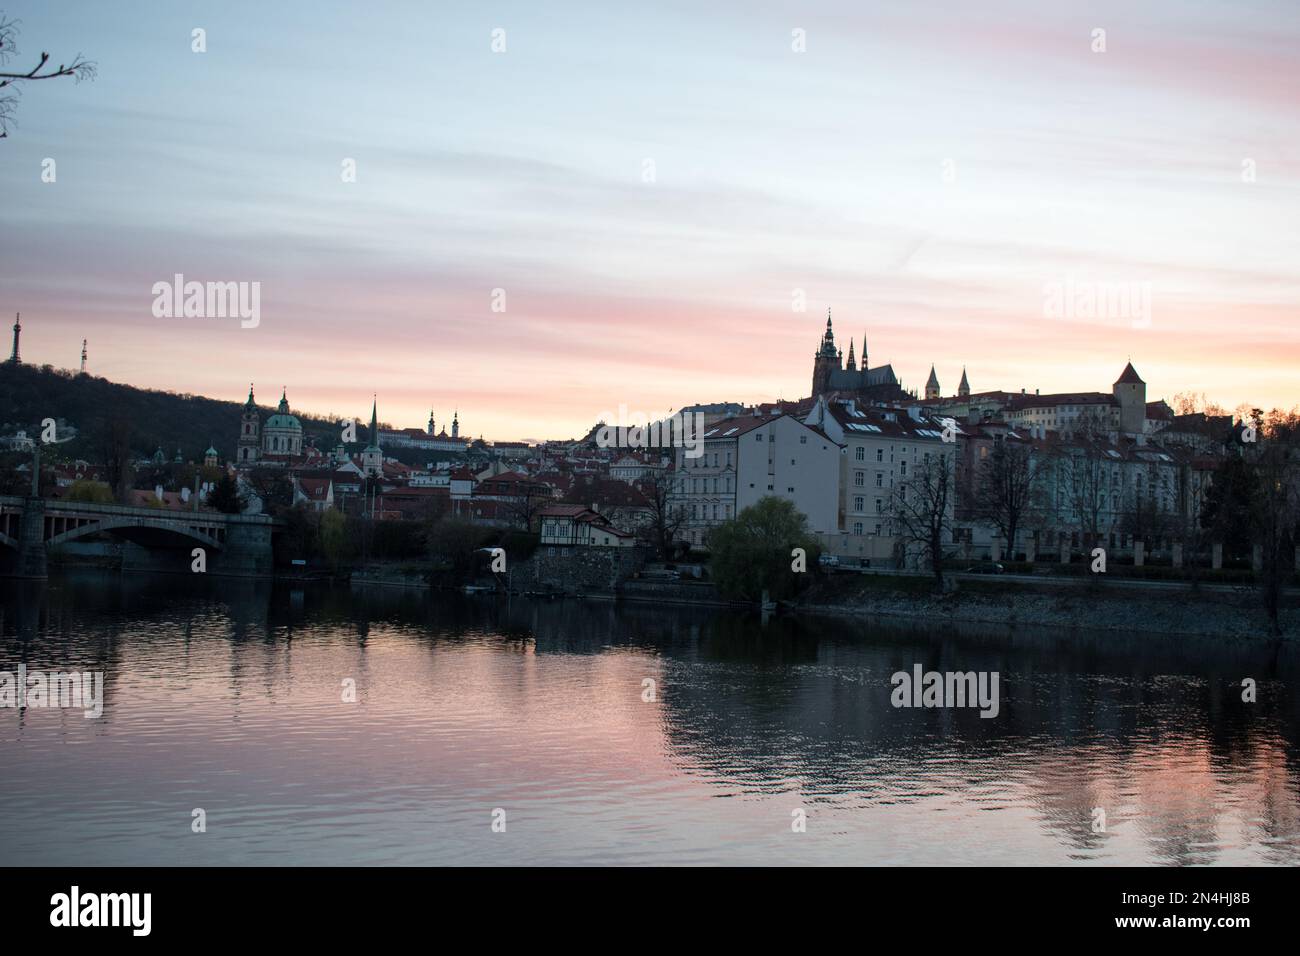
{"x": 282, "y": 417}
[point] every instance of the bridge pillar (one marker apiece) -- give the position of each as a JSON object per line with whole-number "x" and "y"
{"x": 31, "y": 540}
{"x": 247, "y": 548}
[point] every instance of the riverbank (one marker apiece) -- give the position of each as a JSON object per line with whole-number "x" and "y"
{"x": 1236, "y": 614}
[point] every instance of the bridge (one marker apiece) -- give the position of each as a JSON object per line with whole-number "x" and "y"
{"x": 151, "y": 538}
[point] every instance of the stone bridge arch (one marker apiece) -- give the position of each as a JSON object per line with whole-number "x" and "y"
{"x": 172, "y": 527}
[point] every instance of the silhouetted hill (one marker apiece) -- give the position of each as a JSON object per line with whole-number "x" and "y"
{"x": 29, "y": 394}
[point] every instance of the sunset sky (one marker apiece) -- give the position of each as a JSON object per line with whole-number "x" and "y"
{"x": 923, "y": 169}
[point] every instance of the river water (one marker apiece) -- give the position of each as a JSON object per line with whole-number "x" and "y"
{"x": 757, "y": 743}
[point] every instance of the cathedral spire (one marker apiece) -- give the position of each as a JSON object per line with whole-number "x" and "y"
{"x": 853, "y": 365}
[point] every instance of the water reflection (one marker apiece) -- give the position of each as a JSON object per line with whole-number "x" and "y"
{"x": 227, "y": 695}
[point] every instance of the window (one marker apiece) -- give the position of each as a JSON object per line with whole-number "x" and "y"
{"x": 902, "y": 468}
{"x": 859, "y": 503}
{"x": 880, "y": 508}
{"x": 859, "y": 478}
{"x": 880, "y": 480}
{"x": 857, "y": 527}
{"x": 758, "y": 437}
{"x": 803, "y": 439}
{"x": 860, "y": 454}
{"x": 789, "y": 491}
{"x": 880, "y": 454}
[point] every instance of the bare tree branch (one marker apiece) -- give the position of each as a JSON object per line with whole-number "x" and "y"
{"x": 79, "y": 69}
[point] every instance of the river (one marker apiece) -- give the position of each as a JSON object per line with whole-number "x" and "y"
{"x": 323, "y": 725}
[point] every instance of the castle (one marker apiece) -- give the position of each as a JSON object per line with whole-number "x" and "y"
{"x": 869, "y": 385}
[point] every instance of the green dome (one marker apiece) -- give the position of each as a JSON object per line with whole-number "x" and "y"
{"x": 283, "y": 421}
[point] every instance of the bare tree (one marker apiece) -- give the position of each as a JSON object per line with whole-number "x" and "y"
{"x": 921, "y": 509}
{"x": 113, "y": 444}
{"x": 79, "y": 69}
{"x": 666, "y": 515}
{"x": 1007, "y": 489}
{"x": 1084, "y": 466}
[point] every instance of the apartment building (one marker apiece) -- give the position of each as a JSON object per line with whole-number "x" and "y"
{"x": 748, "y": 457}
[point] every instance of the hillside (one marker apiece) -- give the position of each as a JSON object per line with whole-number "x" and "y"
{"x": 152, "y": 419}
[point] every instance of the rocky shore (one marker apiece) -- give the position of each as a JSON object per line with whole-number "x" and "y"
{"x": 1234, "y": 615}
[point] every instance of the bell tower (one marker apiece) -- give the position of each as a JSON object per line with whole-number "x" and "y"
{"x": 249, "y": 445}
{"x": 826, "y": 360}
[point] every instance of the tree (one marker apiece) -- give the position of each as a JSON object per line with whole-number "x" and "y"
{"x": 752, "y": 552}
{"x": 273, "y": 487}
{"x": 921, "y": 509}
{"x": 79, "y": 69}
{"x": 1085, "y": 466}
{"x": 95, "y": 492}
{"x": 666, "y": 515}
{"x": 1007, "y": 489}
{"x": 453, "y": 543}
{"x": 225, "y": 496}
{"x": 1275, "y": 505}
{"x": 1227, "y": 513}
{"x": 113, "y": 445}
{"x": 333, "y": 537}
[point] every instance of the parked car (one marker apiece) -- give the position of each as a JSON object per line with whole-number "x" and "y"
{"x": 986, "y": 567}
{"x": 828, "y": 561}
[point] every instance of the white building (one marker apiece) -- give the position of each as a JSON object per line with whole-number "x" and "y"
{"x": 749, "y": 457}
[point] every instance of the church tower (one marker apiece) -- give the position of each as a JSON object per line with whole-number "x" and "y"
{"x": 826, "y": 360}
{"x": 932, "y": 386}
{"x": 455, "y": 424}
{"x": 963, "y": 389}
{"x": 430, "y": 429}
{"x": 851, "y": 365}
{"x": 250, "y": 429}
{"x": 372, "y": 459}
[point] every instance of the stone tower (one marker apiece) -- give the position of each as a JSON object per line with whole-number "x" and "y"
{"x": 932, "y": 390}
{"x": 963, "y": 388}
{"x": 1131, "y": 392}
{"x": 250, "y": 432}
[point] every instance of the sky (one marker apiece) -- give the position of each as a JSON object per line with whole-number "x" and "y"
{"x": 653, "y": 205}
